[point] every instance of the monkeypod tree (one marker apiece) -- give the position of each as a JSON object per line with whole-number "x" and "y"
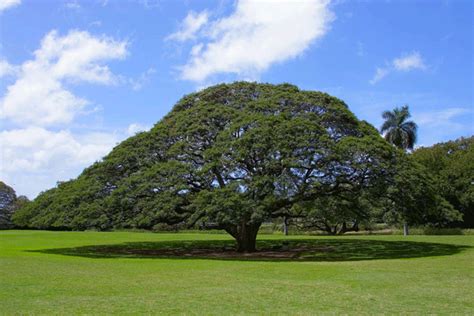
{"x": 234, "y": 155}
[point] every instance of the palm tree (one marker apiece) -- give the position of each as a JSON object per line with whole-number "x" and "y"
{"x": 399, "y": 132}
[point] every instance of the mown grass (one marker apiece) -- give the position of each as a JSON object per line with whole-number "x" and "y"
{"x": 103, "y": 273}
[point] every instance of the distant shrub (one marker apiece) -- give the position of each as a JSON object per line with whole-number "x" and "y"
{"x": 442, "y": 231}
{"x": 162, "y": 227}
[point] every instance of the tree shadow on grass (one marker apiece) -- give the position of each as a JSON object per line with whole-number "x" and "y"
{"x": 268, "y": 250}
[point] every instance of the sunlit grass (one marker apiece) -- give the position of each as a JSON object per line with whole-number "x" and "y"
{"x": 66, "y": 273}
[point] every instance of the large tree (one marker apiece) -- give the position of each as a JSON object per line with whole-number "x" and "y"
{"x": 233, "y": 155}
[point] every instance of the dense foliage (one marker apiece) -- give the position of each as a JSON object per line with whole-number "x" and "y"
{"x": 234, "y": 155}
{"x": 413, "y": 197}
{"x": 9, "y": 203}
{"x": 409, "y": 195}
{"x": 452, "y": 166}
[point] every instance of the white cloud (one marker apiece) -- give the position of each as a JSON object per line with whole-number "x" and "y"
{"x": 73, "y": 5}
{"x": 409, "y": 62}
{"x": 136, "y": 128}
{"x": 445, "y": 124}
{"x": 405, "y": 63}
{"x": 380, "y": 73}
{"x": 255, "y": 36}
{"x": 6, "y": 4}
{"x": 35, "y": 148}
{"x": 34, "y": 158}
{"x": 39, "y": 95}
{"x": 7, "y": 69}
{"x": 150, "y": 4}
{"x": 97, "y": 23}
{"x": 191, "y": 24}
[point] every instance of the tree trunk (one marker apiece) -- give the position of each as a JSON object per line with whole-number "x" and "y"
{"x": 246, "y": 243}
{"x": 344, "y": 229}
{"x": 405, "y": 229}
{"x": 285, "y": 225}
{"x": 329, "y": 229}
{"x": 246, "y": 236}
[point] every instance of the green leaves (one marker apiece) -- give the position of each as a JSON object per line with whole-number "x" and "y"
{"x": 451, "y": 164}
{"x": 234, "y": 155}
{"x": 398, "y": 131}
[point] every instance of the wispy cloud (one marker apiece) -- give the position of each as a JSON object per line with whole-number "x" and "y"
{"x": 443, "y": 118}
{"x": 409, "y": 62}
{"x": 149, "y": 4}
{"x": 445, "y": 124}
{"x": 136, "y": 128}
{"x": 97, "y": 23}
{"x": 7, "y": 69}
{"x": 380, "y": 73}
{"x": 138, "y": 83}
{"x": 405, "y": 63}
{"x": 73, "y": 5}
{"x": 191, "y": 24}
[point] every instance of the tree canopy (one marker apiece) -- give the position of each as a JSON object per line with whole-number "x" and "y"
{"x": 234, "y": 155}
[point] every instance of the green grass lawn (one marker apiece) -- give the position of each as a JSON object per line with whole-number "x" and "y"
{"x": 75, "y": 273}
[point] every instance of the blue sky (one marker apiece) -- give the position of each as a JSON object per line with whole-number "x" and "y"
{"x": 77, "y": 77}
